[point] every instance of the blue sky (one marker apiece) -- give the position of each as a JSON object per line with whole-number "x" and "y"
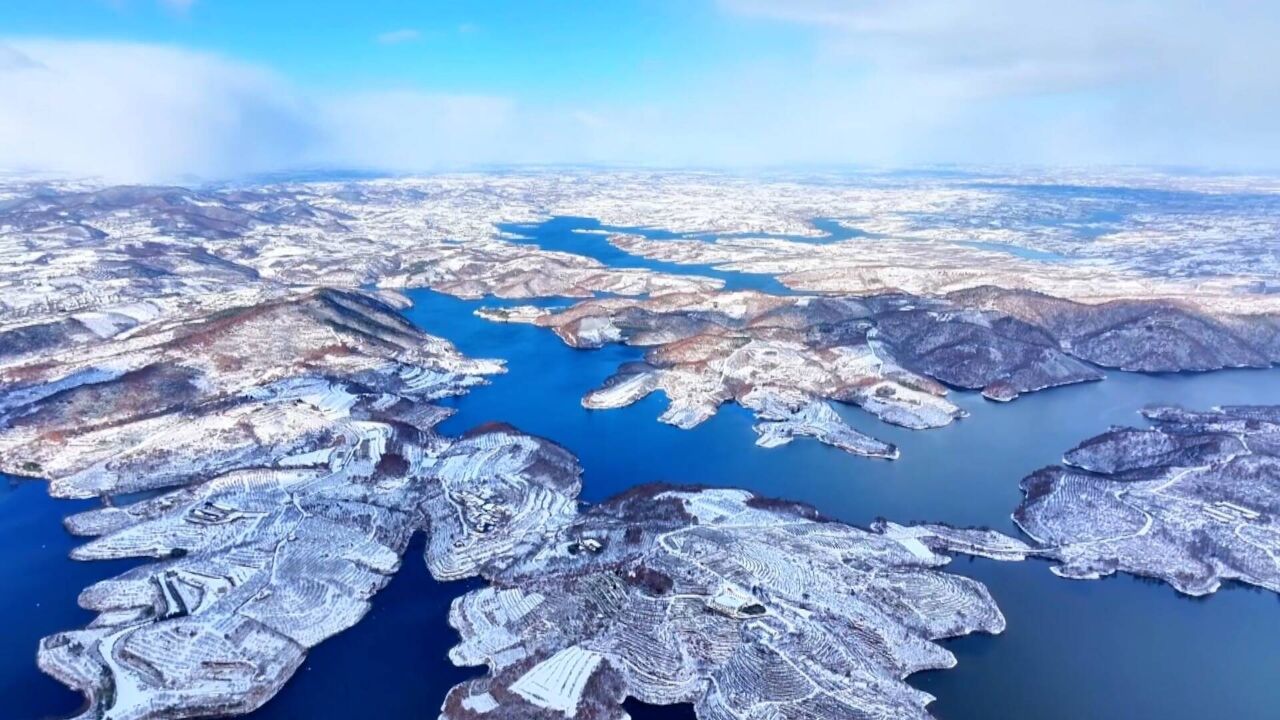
{"x": 535, "y": 49}
{"x": 143, "y": 89}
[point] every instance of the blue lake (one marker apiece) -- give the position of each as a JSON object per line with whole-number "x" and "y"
{"x": 1118, "y": 648}
{"x": 583, "y": 236}
{"x": 566, "y": 234}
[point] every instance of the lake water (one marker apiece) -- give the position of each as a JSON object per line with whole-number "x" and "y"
{"x": 584, "y": 237}
{"x": 1118, "y": 648}
{"x": 566, "y": 234}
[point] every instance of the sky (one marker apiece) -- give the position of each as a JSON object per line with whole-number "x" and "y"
{"x": 151, "y": 90}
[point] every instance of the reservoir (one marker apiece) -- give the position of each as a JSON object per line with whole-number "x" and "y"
{"x": 1118, "y": 648}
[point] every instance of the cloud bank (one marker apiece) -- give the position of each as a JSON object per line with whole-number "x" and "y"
{"x": 144, "y": 113}
{"x": 1156, "y": 81}
{"x": 135, "y": 112}
{"x": 885, "y": 82}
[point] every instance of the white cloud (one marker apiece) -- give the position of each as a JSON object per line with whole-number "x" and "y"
{"x": 135, "y": 112}
{"x": 1035, "y": 45}
{"x": 144, "y": 113}
{"x": 398, "y": 37}
{"x": 1180, "y": 81}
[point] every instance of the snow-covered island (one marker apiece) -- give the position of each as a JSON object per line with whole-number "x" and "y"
{"x": 894, "y": 356}
{"x": 1192, "y": 500}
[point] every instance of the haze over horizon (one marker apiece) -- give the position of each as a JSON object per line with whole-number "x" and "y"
{"x": 146, "y": 90}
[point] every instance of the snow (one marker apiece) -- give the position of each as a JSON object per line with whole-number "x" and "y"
{"x": 557, "y": 682}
